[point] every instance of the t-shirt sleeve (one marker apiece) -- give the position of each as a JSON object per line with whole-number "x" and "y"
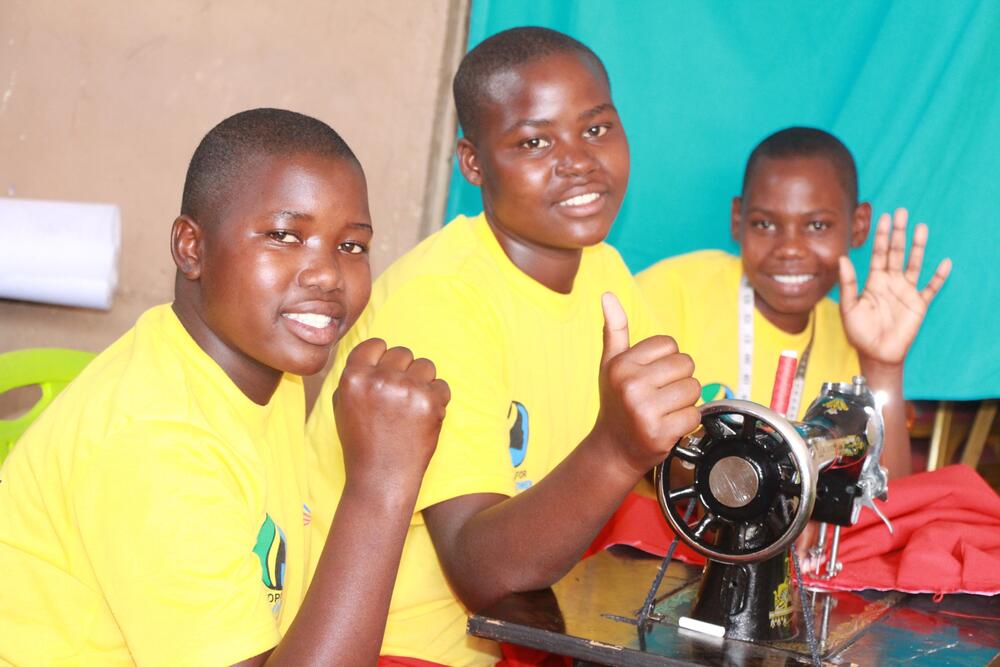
{"x": 661, "y": 286}
{"x": 643, "y": 321}
{"x": 169, "y": 531}
{"x": 452, "y": 323}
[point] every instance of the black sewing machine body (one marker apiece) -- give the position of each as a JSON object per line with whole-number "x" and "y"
{"x": 757, "y": 479}
{"x": 846, "y": 416}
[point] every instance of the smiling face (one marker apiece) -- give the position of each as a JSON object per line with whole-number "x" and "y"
{"x": 793, "y": 223}
{"x": 551, "y": 159}
{"x": 283, "y": 273}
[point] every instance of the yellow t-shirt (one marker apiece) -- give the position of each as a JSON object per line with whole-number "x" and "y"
{"x": 522, "y": 363}
{"x": 695, "y": 297}
{"x": 153, "y": 514}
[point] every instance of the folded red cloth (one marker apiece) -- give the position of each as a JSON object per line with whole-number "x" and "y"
{"x": 946, "y": 538}
{"x": 639, "y": 523}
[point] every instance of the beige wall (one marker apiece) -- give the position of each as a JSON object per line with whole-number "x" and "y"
{"x": 105, "y": 100}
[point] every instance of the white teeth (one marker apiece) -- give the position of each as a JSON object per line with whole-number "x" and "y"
{"x": 580, "y": 200}
{"x": 314, "y": 320}
{"x": 794, "y": 280}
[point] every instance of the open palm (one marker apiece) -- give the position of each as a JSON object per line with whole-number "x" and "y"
{"x": 882, "y": 323}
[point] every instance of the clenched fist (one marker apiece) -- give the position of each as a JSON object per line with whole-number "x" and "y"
{"x": 647, "y": 392}
{"x": 389, "y": 408}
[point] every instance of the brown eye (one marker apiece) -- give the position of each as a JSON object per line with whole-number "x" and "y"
{"x": 352, "y": 248}
{"x": 762, "y": 224}
{"x": 597, "y": 131}
{"x": 818, "y": 225}
{"x": 282, "y": 236}
{"x": 535, "y": 143}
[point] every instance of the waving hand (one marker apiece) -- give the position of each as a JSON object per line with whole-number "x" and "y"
{"x": 884, "y": 320}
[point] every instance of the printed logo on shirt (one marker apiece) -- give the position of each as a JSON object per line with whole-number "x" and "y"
{"x": 517, "y": 420}
{"x": 715, "y": 391}
{"x": 270, "y": 549}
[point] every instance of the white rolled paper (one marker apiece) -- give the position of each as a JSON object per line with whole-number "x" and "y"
{"x": 64, "y": 253}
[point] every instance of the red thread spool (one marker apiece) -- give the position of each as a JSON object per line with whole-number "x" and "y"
{"x": 784, "y": 379}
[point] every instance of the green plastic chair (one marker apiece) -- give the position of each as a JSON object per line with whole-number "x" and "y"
{"x": 50, "y": 368}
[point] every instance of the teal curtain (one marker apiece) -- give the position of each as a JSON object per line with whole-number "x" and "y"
{"x": 912, "y": 87}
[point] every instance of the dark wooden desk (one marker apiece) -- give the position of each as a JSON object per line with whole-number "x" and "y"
{"x": 585, "y": 616}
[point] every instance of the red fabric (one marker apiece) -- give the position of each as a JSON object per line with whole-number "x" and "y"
{"x": 513, "y": 656}
{"x": 639, "y": 523}
{"x": 395, "y": 661}
{"x": 521, "y": 656}
{"x": 947, "y": 538}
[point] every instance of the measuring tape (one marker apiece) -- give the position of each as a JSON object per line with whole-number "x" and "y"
{"x": 745, "y": 381}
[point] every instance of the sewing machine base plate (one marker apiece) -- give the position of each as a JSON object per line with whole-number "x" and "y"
{"x": 586, "y": 616}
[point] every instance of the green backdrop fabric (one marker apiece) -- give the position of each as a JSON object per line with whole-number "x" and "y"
{"x": 912, "y": 87}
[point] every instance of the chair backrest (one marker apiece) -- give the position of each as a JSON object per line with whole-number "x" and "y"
{"x": 50, "y": 368}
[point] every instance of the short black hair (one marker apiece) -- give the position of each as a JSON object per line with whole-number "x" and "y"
{"x": 502, "y": 52}
{"x": 222, "y": 155}
{"x": 807, "y": 142}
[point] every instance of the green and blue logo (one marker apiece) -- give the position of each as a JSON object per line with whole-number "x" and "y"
{"x": 270, "y": 549}
{"x": 715, "y": 391}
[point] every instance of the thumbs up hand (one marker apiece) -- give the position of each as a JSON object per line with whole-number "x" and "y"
{"x": 647, "y": 392}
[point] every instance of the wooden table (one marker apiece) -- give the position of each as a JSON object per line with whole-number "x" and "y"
{"x": 586, "y": 616}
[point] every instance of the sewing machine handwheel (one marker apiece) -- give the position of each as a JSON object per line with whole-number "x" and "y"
{"x": 754, "y": 483}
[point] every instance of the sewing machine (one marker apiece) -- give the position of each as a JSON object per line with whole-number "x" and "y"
{"x": 741, "y": 490}
{"x": 754, "y": 480}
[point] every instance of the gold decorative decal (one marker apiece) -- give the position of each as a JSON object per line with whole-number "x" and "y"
{"x": 835, "y": 405}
